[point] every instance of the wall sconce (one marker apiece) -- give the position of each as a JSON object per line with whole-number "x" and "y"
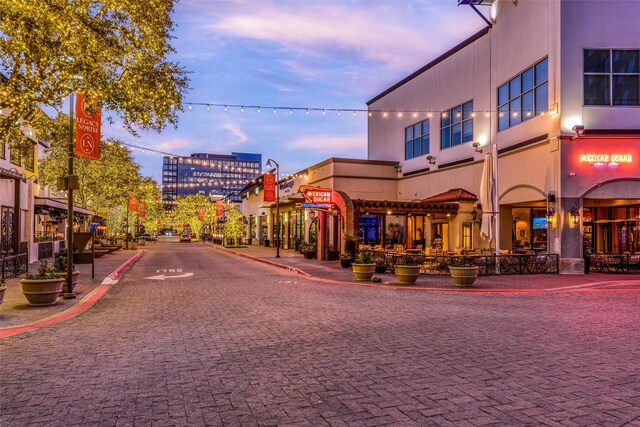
{"x": 477, "y": 146}
{"x": 575, "y": 215}
{"x": 578, "y": 129}
{"x": 431, "y": 159}
{"x": 475, "y": 216}
{"x": 389, "y": 212}
{"x": 550, "y": 215}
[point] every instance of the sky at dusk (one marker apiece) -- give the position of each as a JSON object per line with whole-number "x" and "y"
{"x": 307, "y": 54}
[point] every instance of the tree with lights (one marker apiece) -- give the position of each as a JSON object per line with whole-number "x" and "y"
{"x": 234, "y": 227}
{"x": 187, "y": 208}
{"x": 114, "y": 51}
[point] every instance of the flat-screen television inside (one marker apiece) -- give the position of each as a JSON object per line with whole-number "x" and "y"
{"x": 540, "y": 223}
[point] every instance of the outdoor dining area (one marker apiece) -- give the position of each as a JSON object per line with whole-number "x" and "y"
{"x": 436, "y": 262}
{"x": 614, "y": 263}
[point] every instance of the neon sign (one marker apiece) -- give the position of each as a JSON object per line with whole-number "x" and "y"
{"x": 606, "y": 159}
{"x": 317, "y": 198}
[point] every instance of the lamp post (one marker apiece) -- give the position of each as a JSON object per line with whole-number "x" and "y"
{"x": 69, "y": 294}
{"x": 271, "y": 162}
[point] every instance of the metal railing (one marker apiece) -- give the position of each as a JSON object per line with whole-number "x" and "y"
{"x": 610, "y": 263}
{"x": 12, "y": 265}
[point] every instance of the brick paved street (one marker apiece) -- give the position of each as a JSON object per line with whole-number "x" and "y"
{"x": 243, "y": 343}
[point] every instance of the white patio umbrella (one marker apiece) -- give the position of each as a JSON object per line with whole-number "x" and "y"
{"x": 486, "y": 199}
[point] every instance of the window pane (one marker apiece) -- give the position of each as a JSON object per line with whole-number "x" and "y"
{"x": 527, "y": 106}
{"x": 596, "y": 61}
{"x": 503, "y": 94}
{"x": 445, "y": 138}
{"x": 503, "y": 117}
{"x": 416, "y": 147}
{"x": 542, "y": 98}
{"x": 626, "y": 61}
{"x": 456, "y": 134}
{"x": 417, "y": 131}
{"x": 541, "y": 72}
{"x": 425, "y": 127}
{"x": 467, "y": 109}
{"x": 626, "y": 90}
{"x": 467, "y": 131}
{"x": 456, "y": 114}
{"x": 527, "y": 79}
{"x": 514, "y": 87}
{"x": 408, "y": 147}
{"x": 596, "y": 90}
{"x": 445, "y": 120}
{"x": 514, "y": 112}
{"x": 425, "y": 144}
{"x": 408, "y": 133}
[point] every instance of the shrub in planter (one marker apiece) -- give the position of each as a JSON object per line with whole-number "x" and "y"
{"x": 381, "y": 264}
{"x": 363, "y": 266}
{"x": 408, "y": 270}
{"x": 308, "y": 250}
{"x": 60, "y": 265}
{"x": 463, "y": 275}
{"x": 346, "y": 259}
{"x": 44, "y": 287}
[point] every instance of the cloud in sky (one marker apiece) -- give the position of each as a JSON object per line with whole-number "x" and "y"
{"x": 237, "y": 132}
{"x": 333, "y": 145}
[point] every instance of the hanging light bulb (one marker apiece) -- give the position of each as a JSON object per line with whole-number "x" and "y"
{"x": 291, "y": 111}
{"x": 339, "y": 112}
{"x": 323, "y": 112}
{"x": 190, "y": 107}
{"x": 354, "y": 112}
{"x": 208, "y": 107}
{"x": 274, "y": 110}
{"x": 242, "y": 108}
{"x": 307, "y": 111}
{"x": 259, "y": 109}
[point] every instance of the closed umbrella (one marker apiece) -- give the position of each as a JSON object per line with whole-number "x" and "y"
{"x": 486, "y": 198}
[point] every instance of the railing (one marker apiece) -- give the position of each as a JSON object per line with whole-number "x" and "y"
{"x": 45, "y": 250}
{"x": 508, "y": 264}
{"x": 12, "y": 265}
{"x": 609, "y": 263}
{"x": 46, "y": 236}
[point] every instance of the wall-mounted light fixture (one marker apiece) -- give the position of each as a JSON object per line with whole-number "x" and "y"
{"x": 477, "y": 146}
{"x": 575, "y": 215}
{"x": 475, "y": 216}
{"x": 431, "y": 159}
{"x": 578, "y": 129}
{"x": 550, "y": 215}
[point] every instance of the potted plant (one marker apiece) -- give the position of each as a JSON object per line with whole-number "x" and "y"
{"x": 350, "y": 242}
{"x": 334, "y": 253}
{"x": 3, "y": 288}
{"x": 408, "y": 270}
{"x": 60, "y": 265}
{"x": 44, "y": 287}
{"x": 308, "y": 250}
{"x": 381, "y": 264}
{"x": 363, "y": 266}
{"x": 346, "y": 259}
{"x": 462, "y": 274}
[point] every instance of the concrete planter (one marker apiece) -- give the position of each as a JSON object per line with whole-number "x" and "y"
{"x": 42, "y": 292}
{"x": 464, "y": 276}
{"x": 407, "y": 274}
{"x": 363, "y": 272}
{"x": 74, "y": 276}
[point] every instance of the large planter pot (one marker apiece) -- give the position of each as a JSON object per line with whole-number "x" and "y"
{"x": 345, "y": 263}
{"x": 74, "y": 276}
{"x": 309, "y": 254}
{"x": 381, "y": 269}
{"x": 3, "y": 288}
{"x": 464, "y": 276}
{"x": 363, "y": 272}
{"x": 407, "y": 274}
{"x": 42, "y": 292}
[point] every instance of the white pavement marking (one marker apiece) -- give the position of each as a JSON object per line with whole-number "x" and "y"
{"x": 599, "y": 284}
{"x": 164, "y": 276}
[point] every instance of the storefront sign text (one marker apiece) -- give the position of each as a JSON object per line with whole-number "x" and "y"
{"x": 316, "y": 205}
{"x": 317, "y": 195}
{"x": 606, "y": 159}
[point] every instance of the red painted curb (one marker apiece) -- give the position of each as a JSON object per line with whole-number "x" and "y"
{"x": 420, "y": 289}
{"x": 81, "y": 306}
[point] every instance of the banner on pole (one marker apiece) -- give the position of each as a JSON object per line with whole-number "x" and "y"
{"x": 269, "y": 187}
{"x": 133, "y": 203}
{"x": 200, "y": 215}
{"x": 143, "y": 210}
{"x": 219, "y": 208}
{"x": 87, "y": 129}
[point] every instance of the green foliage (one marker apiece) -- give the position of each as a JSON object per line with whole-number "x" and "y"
{"x": 409, "y": 260}
{"x": 234, "y": 226}
{"x": 186, "y": 211}
{"x": 380, "y": 261}
{"x": 60, "y": 263}
{"x": 307, "y": 247}
{"x": 44, "y": 272}
{"x": 346, "y": 256}
{"x": 112, "y": 50}
{"x": 364, "y": 257}
{"x": 349, "y": 237}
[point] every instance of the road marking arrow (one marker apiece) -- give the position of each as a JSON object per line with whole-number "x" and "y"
{"x": 165, "y": 277}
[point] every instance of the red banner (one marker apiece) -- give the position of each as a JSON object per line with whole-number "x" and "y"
{"x": 219, "y": 208}
{"x": 143, "y": 210}
{"x": 200, "y": 215}
{"x": 269, "y": 187}
{"x": 87, "y": 129}
{"x": 133, "y": 203}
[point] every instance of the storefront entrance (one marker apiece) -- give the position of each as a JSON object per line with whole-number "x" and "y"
{"x": 611, "y": 230}
{"x": 369, "y": 230}
{"x": 529, "y": 230}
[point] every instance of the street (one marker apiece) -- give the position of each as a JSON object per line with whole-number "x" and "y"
{"x": 195, "y": 336}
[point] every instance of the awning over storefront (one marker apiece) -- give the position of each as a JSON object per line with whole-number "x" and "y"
{"x": 454, "y": 195}
{"x": 56, "y": 204}
{"x": 403, "y": 208}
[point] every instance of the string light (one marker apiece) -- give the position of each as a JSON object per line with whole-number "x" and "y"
{"x": 209, "y": 108}
{"x": 225, "y": 108}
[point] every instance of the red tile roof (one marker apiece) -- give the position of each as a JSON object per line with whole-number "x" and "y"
{"x": 454, "y": 195}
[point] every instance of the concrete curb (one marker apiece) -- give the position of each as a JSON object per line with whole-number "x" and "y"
{"x": 580, "y": 288}
{"x": 81, "y": 306}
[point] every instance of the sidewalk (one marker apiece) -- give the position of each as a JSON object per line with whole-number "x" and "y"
{"x": 15, "y": 311}
{"x": 333, "y": 272}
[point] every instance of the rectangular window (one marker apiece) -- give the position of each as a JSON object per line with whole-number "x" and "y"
{"x": 524, "y": 96}
{"x": 466, "y": 235}
{"x": 456, "y": 125}
{"x": 611, "y": 77}
{"x": 3, "y": 148}
{"x": 29, "y": 159}
{"x": 416, "y": 140}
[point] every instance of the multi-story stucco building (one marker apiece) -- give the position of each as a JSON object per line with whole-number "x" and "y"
{"x": 217, "y": 176}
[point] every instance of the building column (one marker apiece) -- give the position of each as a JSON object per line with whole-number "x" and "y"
{"x": 571, "y": 260}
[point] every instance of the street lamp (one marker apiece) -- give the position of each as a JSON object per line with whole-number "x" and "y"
{"x": 271, "y": 162}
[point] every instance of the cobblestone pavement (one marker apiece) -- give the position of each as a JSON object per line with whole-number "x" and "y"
{"x": 243, "y": 343}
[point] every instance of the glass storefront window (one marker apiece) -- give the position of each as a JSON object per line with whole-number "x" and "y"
{"x": 529, "y": 230}
{"x": 369, "y": 229}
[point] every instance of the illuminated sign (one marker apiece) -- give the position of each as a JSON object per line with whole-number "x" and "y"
{"x": 606, "y": 159}
{"x": 317, "y": 195}
{"x": 316, "y": 205}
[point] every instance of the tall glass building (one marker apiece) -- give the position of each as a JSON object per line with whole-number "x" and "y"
{"x": 217, "y": 176}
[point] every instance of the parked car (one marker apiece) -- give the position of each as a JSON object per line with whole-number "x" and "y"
{"x": 185, "y": 237}
{"x": 148, "y": 237}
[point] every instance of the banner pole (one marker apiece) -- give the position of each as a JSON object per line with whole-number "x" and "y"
{"x": 69, "y": 294}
